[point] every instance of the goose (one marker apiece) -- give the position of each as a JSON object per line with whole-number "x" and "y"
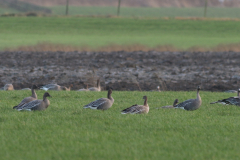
{"x": 83, "y": 89}
{"x": 8, "y": 87}
{"x": 28, "y": 99}
{"x": 137, "y": 109}
{"x": 54, "y": 87}
{"x": 26, "y": 89}
{"x": 158, "y": 88}
{"x": 191, "y": 104}
{"x": 230, "y": 100}
{"x": 98, "y": 88}
{"x": 102, "y": 103}
{"x": 231, "y": 91}
{"x": 36, "y": 104}
{"x": 171, "y": 106}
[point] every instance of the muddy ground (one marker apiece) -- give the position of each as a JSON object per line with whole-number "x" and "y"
{"x": 214, "y": 71}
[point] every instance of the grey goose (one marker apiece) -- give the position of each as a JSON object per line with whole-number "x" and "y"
{"x": 158, "y": 88}
{"x": 8, "y": 87}
{"x": 28, "y": 99}
{"x": 171, "y": 106}
{"x": 231, "y": 91}
{"x": 83, "y": 89}
{"x": 54, "y": 87}
{"x": 230, "y": 100}
{"x": 36, "y": 104}
{"x": 26, "y": 89}
{"x": 137, "y": 109}
{"x": 102, "y": 103}
{"x": 191, "y": 104}
{"x": 98, "y": 88}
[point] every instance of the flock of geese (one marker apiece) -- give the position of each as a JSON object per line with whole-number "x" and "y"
{"x": 32, "y": 103}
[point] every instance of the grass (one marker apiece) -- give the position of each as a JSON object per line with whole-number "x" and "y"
{"x": 149, "y": 12}
{"x": 67, "y": 131}
{"x": 99, "y": 31}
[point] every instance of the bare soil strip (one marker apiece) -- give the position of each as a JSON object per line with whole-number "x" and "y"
{"x": 122, "y": 70}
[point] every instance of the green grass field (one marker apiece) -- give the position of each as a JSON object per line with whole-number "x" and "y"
{"x": 97, "y": 32}
{"x": 149, "y": 12}
{"x": 67, "y": 131}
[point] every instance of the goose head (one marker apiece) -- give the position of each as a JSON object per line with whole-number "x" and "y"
{"x": 46, "y": 94}
{"x": 35, "y": 87}
{"x": 198, "y": 88}
{"x": 144, "y": 97}
{"x": 175, "y": 102}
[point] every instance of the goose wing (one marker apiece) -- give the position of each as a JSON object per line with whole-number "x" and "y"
{"x": 48, "y": 86}
{"x": 134, "y": 109}
{"x": 24, "y": 101}
{"x": 229, "y": 101}
{"x": 186, "y": 104}
{"x": 30, "y": 106}
{"x": 98, "y": 104}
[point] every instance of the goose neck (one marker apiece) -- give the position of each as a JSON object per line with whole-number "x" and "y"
{"x": 198, "y": 95}
{"x": 145, "y": 102}
{"x": 34, "y": 95}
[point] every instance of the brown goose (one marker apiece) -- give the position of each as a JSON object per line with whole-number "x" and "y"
{"x": 83, "y": 89}
{"x": 102, "y": 103}
{"x": 37, "y": 104}
{"x": 172, "y": 106}
{"x": 54, "y": 87}
{"x": 137, "y": 109}
{"x": 191, "y": 104}
{"x": 230, "y": 100}
{"x": 28, "y": 99}
{"x": 98, "y": 88}
{"x": 8, "y": 87}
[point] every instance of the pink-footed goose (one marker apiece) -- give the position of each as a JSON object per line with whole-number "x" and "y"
{"x": 102, "y": 103}
{"x": 171, "y": 106}
{"x": 230, "y": 100}
{"x": 137, "y": 109}
{"x": 83, "y": 89}
{"x": 8, "y": 87}
{"x": 37, "y": 104}
{"x": 28, "y": 99}
{"x": 54, "y": 87}
{"x": 98, "y": 88}
{"x": 191, "y": 104}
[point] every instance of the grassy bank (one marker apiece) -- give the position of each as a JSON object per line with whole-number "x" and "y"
{"x": 149, "y": 12}
{"x": 98, "y": 32}
{"x": 67, "y": 131}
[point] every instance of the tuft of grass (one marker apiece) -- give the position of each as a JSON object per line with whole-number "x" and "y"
{"x": 67, "y": 131}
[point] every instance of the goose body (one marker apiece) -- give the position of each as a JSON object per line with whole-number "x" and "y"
{"x": 102, "y": 103}
{"x": 137, "y": 109}
{"x": 8, "y": 87}
{"x": 28, "y": 99}
{"x": 83, "y": 89}
{"x": 36, "y": 104}
{"x": 230, "y": 100}
{"x": 54, "y": 87}
{"x": 191, "y": 104}
{"x": 98, "y": 88}
{"x": 171, "y": 106}
{"x": 26, "y": 89}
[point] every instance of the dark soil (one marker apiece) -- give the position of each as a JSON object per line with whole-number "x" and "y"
{"x": 214, "y": 71}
